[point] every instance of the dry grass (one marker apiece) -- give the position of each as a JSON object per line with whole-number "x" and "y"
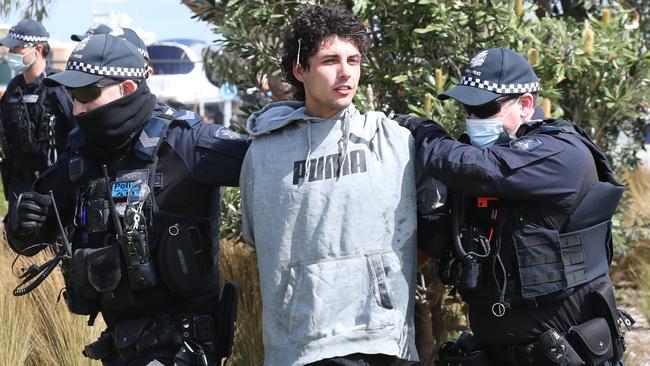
{"x": 239, "y": 263}
{"x": 636, "y": 265}
{"x": 35, "y": 329}
{"x": 635, "y": 219}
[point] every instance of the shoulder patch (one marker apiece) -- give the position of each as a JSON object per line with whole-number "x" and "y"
{"x": 526, "y": 143}
{"x": 224, "y": 133}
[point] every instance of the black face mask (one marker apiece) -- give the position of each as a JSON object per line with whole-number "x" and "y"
{"x": 109, "y": 129}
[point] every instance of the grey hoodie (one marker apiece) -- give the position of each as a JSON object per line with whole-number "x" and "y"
{"x": 335, "y": 247}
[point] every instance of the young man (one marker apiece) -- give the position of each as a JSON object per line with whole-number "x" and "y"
{"x": 532, "y": 220}
{"x": 329, "y": 201}
{"x": 35, "y": 120}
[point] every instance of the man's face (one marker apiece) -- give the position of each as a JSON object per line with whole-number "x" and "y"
{"x": 513, "y": 112}
{"x": 107, "y": 95}
{"x": 332, "y": 78}
{"x": 28, "y": 52}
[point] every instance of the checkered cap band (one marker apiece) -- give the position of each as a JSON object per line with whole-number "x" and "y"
{"x": 27, "y": 38}
{"x": 144, "y": 53}
{"x": 124, "y": 72}
{"x": 500, "y": 88}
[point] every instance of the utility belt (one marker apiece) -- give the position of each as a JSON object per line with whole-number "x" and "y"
{"x": 591, "y": 343}
{"x": 196, "y": 337}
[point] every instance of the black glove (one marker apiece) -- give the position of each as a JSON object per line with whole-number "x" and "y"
{"x": 29, "y": 213}
{"x": 411, "y": 122}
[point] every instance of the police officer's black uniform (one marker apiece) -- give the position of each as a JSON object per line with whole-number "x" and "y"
{"x": 531, "y": 233}
{"x": 156, "y": 284}
{"x": 35, "y": 120}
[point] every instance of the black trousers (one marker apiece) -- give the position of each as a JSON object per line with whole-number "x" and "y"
{"x": 357, "y": 359}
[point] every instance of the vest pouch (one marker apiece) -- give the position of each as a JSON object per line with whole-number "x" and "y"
{"x": 103, "y": 267}
{"x": 593, "y": 341}
{"x": 74, "y": 296}
{"x": 539, "y": 258}
{"x": 177, "y": 260}
{"x": 125, "y": 335}
{"x": 605, "y": 301}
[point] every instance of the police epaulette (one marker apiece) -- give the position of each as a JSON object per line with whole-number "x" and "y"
{"x": 150, "y": 138}
{"x": 549, "y": 129}
{"x": 186, "y": 118}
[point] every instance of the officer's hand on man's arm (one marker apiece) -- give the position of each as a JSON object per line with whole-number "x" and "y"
{"x": 411, "y": 122}
{"x": 421, "y": 127}
{"x": 26, "y": 220}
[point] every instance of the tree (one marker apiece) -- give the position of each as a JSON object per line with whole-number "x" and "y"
{"x": 593, "y": 72}
{"x": 31, "y": 9}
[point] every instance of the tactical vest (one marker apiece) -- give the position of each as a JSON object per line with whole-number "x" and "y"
{"x": 539, "y": 263}
{"x": 118, "y": 270}
{"x": 30, "y": 125}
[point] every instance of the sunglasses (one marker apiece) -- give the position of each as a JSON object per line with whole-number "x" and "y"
{"x": 490, "y": 108}
{"x": 88, "y": 93}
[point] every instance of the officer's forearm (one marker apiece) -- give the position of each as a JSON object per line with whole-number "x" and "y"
{"x": 461, "y": 167}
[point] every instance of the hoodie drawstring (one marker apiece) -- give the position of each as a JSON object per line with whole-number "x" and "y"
{"x": 344, "y": 140}
{"x": 308, "y": 160}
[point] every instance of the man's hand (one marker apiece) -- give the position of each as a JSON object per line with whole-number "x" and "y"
{"x": 29, "y": 213}
{"x": 411, "y": 122}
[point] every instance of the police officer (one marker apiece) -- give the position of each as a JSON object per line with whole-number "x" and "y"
{"x": 131, "y": 36}
{"x": 138, "y": 195}
{"x": 35, "y": 120}
{"x": 531, "y": 205}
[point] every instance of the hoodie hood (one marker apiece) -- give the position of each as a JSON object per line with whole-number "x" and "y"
{"x": 274, "y": 116}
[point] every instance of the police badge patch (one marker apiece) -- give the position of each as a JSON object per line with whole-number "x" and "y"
{"x": 224, "y": 133}
{"x": 526, "y": 143}
{"x": 479, "y": 59}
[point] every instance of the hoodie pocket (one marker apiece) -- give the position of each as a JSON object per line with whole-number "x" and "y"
{"x": 338, "y": 296}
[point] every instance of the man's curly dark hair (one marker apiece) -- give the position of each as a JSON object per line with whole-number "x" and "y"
{"x": 311, "y": 26}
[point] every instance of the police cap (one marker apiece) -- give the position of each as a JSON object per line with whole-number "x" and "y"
{"x": 493, "y": 73}
{"x": 26, "y": 31}
{"x": 97, "y": 57}
{"x": 126, "y": 33}
{"x": 98, "y": 29}
{"x": 131, "y": 36}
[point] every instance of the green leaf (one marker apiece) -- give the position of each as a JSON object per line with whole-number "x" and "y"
{"x": 399, "y": 79}
{"x": 429, "y": 28}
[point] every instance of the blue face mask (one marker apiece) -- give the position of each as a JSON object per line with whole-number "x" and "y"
{"x": 16, "y": 63}
{"x": 484, "y": 132}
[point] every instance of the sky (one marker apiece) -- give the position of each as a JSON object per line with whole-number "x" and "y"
{"x": 151, "y": 19}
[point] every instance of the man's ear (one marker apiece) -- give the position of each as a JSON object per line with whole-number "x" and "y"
{"x": 527, "y": 106}
{"x": 39, "y": 48}
{"x": 128, "y": 87}
{"x": 298, "y": 72}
